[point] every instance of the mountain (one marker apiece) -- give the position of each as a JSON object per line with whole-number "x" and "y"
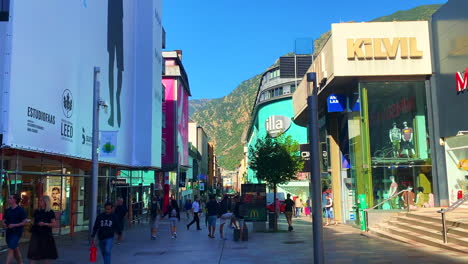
{"x": 197, "y": 104}
{"x": 226, "y": 119}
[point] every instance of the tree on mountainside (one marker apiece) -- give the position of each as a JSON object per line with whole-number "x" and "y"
{"x": 276, "y": 161}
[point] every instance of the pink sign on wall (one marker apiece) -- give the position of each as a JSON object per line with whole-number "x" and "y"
{"x": 176, "y": 111}
{"x": 182, "y": 126}
{"x": 168, "y": 109}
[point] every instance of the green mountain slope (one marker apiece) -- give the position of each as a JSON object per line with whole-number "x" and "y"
{"x": 226, "y": 119}
{"x": 197, "y": 104}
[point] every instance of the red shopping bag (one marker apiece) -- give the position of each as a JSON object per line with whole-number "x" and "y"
{"x": 92, "y": 252}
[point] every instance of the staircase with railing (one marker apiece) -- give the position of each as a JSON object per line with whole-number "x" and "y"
{"x": 446, "y": 228}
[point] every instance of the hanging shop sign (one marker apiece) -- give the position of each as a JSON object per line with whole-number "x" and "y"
{"x": 462, "y": 80}
{"x": 336, "y": 103}
{"x": 119, "y": 181}
{"x": 276, "y": 124}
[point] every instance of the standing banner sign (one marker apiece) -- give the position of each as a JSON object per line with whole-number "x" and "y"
{"x": 254, "y": 197}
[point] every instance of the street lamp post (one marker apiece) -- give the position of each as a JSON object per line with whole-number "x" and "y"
{"x": 97, "y": 103}
{"x": 315, "y": 179}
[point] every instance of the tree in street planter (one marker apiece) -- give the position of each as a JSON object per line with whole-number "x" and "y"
{"x": 276, "y": 161}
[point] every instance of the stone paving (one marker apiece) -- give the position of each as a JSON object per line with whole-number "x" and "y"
{"x": 343, "y": 244}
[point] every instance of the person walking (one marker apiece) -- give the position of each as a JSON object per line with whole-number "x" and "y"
{"x": 174, "y": 215}
{"x": 195, "y": 211}
{"x": 155, "y": 212}
{"x": 121, "y": 213}
{"x": 239, "y": 218}
{"x": 42, "y": 244}
{"x": 188, "y": 207}
{"x": 105, "y": 226}
{"x": 309, "y": 207}
{"x": 288, "y": 211}
{"x": 298, "y": 204}
{"x": 224, "y": 215}
{"x": 14, "y": 220}
{"x": 212, "y": 208}
{"x": 329, "y": 210}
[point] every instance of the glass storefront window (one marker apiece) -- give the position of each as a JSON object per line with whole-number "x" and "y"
{"x": 457, "y": 166}
{"x": 398, "y": 140}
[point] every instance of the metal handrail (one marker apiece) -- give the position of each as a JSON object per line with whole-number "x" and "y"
{"x": 454, "y": 206}
{"x": 388, "y": 199}
{"x": 366, "y": 211}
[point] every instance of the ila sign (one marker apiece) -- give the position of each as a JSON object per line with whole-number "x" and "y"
{"x": 277, "y": 124}
{"x": 462, "y": 80}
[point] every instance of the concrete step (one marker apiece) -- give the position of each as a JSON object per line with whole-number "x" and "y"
{"x": 404, "y": 235}
{"x": 460, "y": 231}
{"x": 434, "y": 234}
{"x": 438, "y": 220}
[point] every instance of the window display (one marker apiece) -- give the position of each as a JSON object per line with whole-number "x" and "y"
{"x": 395, "y": 138}
{"x": 398, "y": 141}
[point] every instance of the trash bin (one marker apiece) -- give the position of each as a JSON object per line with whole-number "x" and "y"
{"x": 271, "y": 220}
{"x": 362, "y": 216}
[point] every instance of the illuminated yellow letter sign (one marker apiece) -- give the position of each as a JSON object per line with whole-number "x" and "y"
{"x": 383, "y": 48}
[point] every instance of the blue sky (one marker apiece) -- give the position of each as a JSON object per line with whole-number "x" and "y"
{"x": 227, "y": 42}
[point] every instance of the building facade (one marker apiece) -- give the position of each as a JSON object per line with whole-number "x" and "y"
{"x": 272, "y": 116}
{"x": 46, "y": 125}
{"x": 175, "y": 156}
{"x": 373, "y": 80}
{"x": 450, "y": 98}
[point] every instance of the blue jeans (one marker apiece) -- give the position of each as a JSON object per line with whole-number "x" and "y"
{"x": 106, "y": 247}
{"x": 298, "y": 211}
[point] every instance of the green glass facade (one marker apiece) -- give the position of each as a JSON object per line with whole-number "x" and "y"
{"x": 388, "y": 144}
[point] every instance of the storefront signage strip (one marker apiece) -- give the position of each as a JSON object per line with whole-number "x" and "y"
{"x": 383, "y": 48}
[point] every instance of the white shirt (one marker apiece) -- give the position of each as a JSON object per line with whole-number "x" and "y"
{"x": 195, "y": 207}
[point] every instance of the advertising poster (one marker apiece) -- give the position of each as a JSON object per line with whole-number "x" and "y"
{"x": 51, "y": 110}
{"x": 56, "y": 193}
{"x": 254, "y": 197}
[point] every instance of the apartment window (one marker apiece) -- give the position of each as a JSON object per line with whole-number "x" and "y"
{"x": 163, "y": 93}
{"x": 293, "y": 88}
{"x": 163, "y": 147}
{"x": 163, "y": 121}
{"x": 4, "y": 10}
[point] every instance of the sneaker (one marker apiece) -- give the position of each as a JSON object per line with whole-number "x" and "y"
{"x": 175, "y": 235}
{"x": 172, "y": 236}
{"x": 153, "y": 237}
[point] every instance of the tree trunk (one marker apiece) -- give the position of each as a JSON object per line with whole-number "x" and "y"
{"x": 276, "y": 209}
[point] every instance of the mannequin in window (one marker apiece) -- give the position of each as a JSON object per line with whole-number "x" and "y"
{"x": 410, "y": 194}
{"x": 407, "y": 138}
{"x": 421, "y": 197}
{"x": 395, "y": 137}
{"x": 392, "y": 191}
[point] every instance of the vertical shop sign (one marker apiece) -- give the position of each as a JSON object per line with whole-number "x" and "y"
{"x": 461, "y": 80}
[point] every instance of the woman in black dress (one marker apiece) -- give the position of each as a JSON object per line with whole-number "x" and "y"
{"x": 42, "y": 244}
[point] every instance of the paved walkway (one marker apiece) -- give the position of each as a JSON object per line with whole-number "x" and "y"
{"x": 343, "y": 244}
